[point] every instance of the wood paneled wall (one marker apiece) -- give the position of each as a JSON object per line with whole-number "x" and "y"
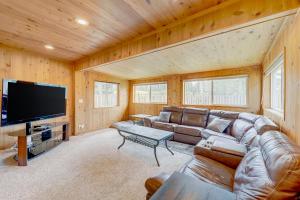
{"x": 21, "y": 65}
{"x": 97, "y": 118}
{"x": 289, "y": 41}
{"x": 175, "y": 90}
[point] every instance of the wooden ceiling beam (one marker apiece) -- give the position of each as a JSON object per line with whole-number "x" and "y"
{"x": 227, "y": 15}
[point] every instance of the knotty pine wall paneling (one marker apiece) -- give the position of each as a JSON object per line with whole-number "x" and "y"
{"x": 22, "y": 65}
{"x": 288, "y": 41}
{"x": 88, "y": 118}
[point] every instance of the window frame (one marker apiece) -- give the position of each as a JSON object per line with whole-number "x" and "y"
{"x": 212, "y": 96}
{"x": 150, "y": 83}
{"x": 279, "y": 62}
{"x": 118, "y": 95}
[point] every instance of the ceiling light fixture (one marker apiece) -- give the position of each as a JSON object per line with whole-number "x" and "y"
{"x": 49, "y": 46}
{"x": 82, "y": 21}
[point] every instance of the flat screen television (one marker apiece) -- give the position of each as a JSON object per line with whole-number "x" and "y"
{"x": 28, "y": 101}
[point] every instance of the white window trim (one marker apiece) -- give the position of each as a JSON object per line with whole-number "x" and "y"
{"x": 150, "y": 83}
{"x": 218, "y": 78}
{"x": 279, "y": 61}
{"x": 118, "y": 95}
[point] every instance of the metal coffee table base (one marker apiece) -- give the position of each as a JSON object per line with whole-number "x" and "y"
{"x": 146, "y": 142}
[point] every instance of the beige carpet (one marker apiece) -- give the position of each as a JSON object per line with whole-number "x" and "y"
{"x": 87, "y": 167}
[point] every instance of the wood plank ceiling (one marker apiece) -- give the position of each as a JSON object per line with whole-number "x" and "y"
{"x": 239, "y": 48}
{"x": 32, "y": 24}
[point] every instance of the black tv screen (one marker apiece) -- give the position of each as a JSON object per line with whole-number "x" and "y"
{"x": 28, "y": 101}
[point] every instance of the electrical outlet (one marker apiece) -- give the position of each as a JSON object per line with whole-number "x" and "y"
{"x": 81, "y": 126}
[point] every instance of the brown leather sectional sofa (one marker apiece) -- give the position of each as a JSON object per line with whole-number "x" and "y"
{"x": 253, "y": 159}
{"x": 269, "y": 171}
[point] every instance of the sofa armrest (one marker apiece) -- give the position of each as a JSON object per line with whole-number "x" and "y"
{"x": 148, "y": 120}
{"x": 182, "y": 186}
{"x": 227, "y": 159}
{"x": 152, "y": 184}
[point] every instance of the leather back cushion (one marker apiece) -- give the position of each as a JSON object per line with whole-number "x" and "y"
{"x": 249, "y": 137}
{"x": 271, "y": 171}
{"x": 263, "y": 124}
{"x": 248, "y": 117}
{"x": 176, "y": 117}
{"x": 239, "y": 128}
{"x": 195, "y": 117}
{"x": 224, "y": 114}
{"x": 176, "y": 114}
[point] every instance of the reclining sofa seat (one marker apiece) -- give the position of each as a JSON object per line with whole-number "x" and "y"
{"x": 193, "y": 122}
{"x": 175, "y": 118}
{"x": 186, "y": 123}
{"x": 269, "y": 171}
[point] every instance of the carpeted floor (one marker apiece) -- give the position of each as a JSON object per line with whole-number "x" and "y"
{"x": 87, "y": 167}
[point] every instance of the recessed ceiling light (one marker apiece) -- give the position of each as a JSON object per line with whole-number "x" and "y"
{"x": 82, "y": 21}
{"x": 49, "y": 46}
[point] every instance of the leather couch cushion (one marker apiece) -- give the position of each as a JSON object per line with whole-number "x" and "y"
{"x": 163, "y": 126}
{"x": 210, "y": 171}
{"x": 249, "y": 136}
{"x": 206, "y": 133}
{"x": 218, "y": 124}
{"x": 271, "y": 171}
{"x": 164, "y": 117}
{"x": 239, "y": 128}
{"x": 224, "y": 114}
{"x": 195, "y": 117}
{"x": 282, "y": 159}
{"x": 263, "y": 124}
{"x": 188, "y": 139}
{"x": 251, "y": 177}
{"x": 248, "y": 117}
{"x": 188, "y": 130}
{"x": 176, "y": 113}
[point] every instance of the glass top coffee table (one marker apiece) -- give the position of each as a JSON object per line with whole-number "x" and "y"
{"x": 146, "y": 136}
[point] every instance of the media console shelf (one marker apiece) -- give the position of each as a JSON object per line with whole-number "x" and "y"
{"x": 39, "y": 145}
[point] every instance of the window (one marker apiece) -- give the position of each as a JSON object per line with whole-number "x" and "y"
{"x": 197, "y": 92}
{"x": 150, "y": 93}
{"x": 106, "y": 94}
{"x": 218, "y": 91}
{"x": 277, "y": 85}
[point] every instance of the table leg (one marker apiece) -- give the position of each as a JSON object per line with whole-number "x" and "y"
{"x": 123, "y": 139}
{"x": 166, "y": 143}
{"x": 65, "y": 136}
{"x": 22, "y": 151}
{"x": 155, "y": 152}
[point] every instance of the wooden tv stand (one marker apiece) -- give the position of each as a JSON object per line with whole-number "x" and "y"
{"x": 22, "y": 138}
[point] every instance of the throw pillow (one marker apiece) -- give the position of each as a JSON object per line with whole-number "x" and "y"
{"x": 218, "y": 125}
{"x": 164, "y": 117}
